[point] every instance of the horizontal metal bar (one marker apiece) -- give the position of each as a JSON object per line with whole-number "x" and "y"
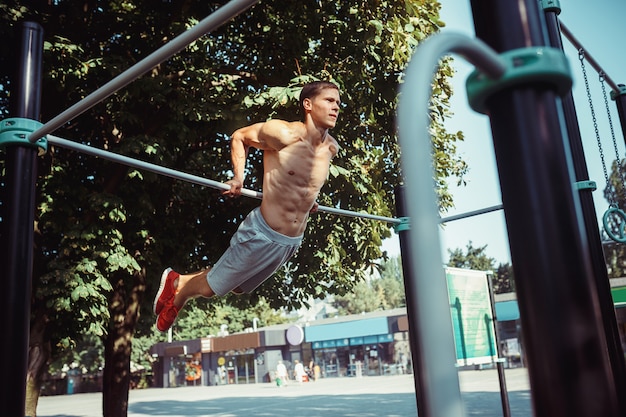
{"x": 210, "y": 23}
{"x": 205, "y": 182}
{"x": 157, "y": 169}
{"x": 172, "y": 173}
{"x": 361, "y": 215}
{"x": 470, "y": 213}
{"x": 570, "y": 36}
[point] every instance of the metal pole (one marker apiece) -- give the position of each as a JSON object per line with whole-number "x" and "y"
{"x": 504, "y": 393}
{"x": 430, "y": 314}
{"x": 415, "y": 337}
{"x": 210, "y": 23}
{"x": 470, "y": 213}
{"x": 168, "y": 172}
{"x": 172, "y": 173}
{"x": 570, "y": 36}
{"x": 18, "y": 227}
{"x": 569, "y": 368}
{"x": 146, "y": 166}
{"x": 596, "y": 252}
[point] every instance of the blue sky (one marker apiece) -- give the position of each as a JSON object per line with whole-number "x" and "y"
{"x": 599, "y": 27}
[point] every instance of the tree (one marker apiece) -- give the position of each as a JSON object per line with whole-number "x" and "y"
{"x": 361, "y": 299}
{"x": 503, "y": 280}
{"x": 472, "y": 258}
{"x": 384, "y": 292}
{"x": 475, "y": 258}
{"x": 105, "y": 231}
{"x": 391, "y": 284}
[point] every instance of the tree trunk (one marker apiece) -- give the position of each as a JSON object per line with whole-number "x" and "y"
{"x": 38, "y": 356}
{"x": 124, "y": 308}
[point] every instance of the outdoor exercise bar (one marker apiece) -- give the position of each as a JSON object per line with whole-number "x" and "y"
{"x": 17, "y": 254}
{"x": 590, "y": 220}
{"x": 569, "y": 370}
{"x": 470, "y": 213}
{"x": 205, "y": 182}
{"x": 157, "y": 169}
{"x": 570, "y": 36}
{"x": 429, "y": 310}
{"x": 210, "y": 23}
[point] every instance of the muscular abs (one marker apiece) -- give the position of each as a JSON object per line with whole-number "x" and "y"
{"x": 293, "y": 178}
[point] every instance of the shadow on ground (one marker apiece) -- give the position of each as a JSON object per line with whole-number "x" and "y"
{"x": 484, "y": 404}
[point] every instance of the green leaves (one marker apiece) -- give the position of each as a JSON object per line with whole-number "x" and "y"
{"x": 101, "y": 222}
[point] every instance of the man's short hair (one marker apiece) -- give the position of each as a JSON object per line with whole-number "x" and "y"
{"x": 311, "y": 90}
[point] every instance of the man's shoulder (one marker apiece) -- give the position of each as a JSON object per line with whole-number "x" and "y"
{"x": 284, "y": 123}
{"x": 279, "y": 127}
{"x": 280, "y": 133}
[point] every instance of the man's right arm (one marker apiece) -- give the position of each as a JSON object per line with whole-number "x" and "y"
{"x": 270, "y": 135}
{"x": 240, "y": 142}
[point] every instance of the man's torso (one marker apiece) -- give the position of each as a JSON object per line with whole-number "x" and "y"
{"x": 292, "y": 181}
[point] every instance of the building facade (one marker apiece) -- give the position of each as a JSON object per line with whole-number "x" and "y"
{"x": 375, "y": 343}
{"x": 368, "y": 344}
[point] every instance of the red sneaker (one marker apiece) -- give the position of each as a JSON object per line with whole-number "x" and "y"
{"x": 166, "y": 290}
{"x": 167, "y": 316}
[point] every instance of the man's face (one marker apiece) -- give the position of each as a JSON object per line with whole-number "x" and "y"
{"x": 324, "y": 107}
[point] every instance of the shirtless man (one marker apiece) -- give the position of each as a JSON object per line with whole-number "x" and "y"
{"x": 296, "y": 161}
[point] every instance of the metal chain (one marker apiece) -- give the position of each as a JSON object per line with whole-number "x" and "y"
{"x": 581, "y": 57}
{"x": 608, "y": 114}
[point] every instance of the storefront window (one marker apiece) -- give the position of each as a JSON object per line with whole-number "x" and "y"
{"x": 328, "y": 361}
{"x": 177, "y": 372}
{"x": 239, "y": 367}
{"x": 375, "y": 354}
{"x": 193, "y": 369}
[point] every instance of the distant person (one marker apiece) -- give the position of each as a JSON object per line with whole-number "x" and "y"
{"x": 299, "y": 371}
{"x": 281, "y": 374}
{"x": 316, "y": 372}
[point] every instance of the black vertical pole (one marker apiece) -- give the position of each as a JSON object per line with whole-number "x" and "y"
{"x": 565, "y": 342}
{"x": 596, "y": 252}
{"x": 18, "y": 227}
{"x": 504, "y": 393}
{"x": 414, "y": 337}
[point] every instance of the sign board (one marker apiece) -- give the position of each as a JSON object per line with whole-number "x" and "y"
{"x": 472, "y": 318}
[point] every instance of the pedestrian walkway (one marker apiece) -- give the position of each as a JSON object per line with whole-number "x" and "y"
{"x": 391, "y": 396}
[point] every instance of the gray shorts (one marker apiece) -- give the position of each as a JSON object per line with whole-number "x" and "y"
{"x": 256, "y": 251}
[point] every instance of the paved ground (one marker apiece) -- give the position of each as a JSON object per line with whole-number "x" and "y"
{"x": 388, "y": 396}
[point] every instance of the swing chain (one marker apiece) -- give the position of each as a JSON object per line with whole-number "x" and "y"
{"x": 610, "y": 119}
{"x": 581, "y": 57}
{"x": 614, "y": 217}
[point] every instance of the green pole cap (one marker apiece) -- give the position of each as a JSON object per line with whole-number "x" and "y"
{"x": 15, "y": 131}
{"x": 534, "y": 65}
{"x": 404, "y": 225}
{"x": 621, "y": 92}
{"x": 585, "y": 185}
{"x": 551, "y": 6}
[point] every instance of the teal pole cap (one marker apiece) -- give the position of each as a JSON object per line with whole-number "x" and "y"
{"x": 585, "y": 185}
{"x": 551, "y": 6}
{"x": 404, "y": 225}
{"x": 15, "y": 131}
{"x": 621, "y": 92}
{"x": 525, "y": 66}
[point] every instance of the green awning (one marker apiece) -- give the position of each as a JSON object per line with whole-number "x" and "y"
{"x": 619, "y": 296}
